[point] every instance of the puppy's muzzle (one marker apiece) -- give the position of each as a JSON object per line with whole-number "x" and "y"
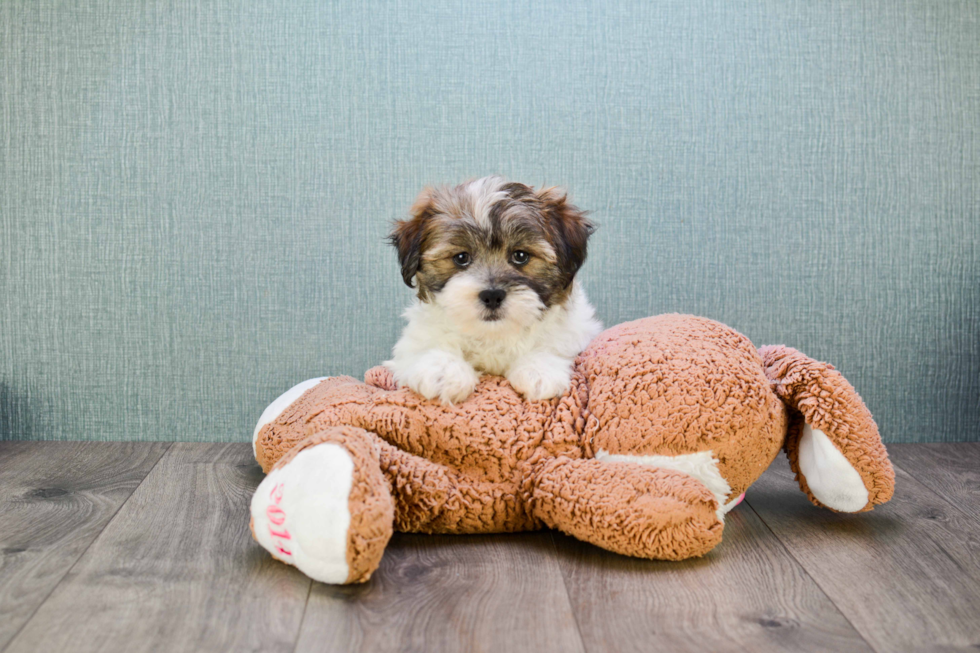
{"x": 492, "y": 298}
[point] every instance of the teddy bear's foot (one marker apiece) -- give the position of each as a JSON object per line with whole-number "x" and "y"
{"x": 300, "y": 512}
{"x": 325, "y": 508}
{"x": 831, "y": 478}
{"x": 832, "y": 442}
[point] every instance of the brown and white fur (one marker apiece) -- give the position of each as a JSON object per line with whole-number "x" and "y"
{"x": 494, "y": 263}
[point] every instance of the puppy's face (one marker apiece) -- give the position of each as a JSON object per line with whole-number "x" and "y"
{"x": 494, "y": 254}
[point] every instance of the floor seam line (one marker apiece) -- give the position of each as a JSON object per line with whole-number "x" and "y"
{"x": 568, "y": 596}
{"x": 302, "y": 619}
{"x": 939, "y": 494}
{"x": 803, "y": 568}
{"x": 85, "y": 550}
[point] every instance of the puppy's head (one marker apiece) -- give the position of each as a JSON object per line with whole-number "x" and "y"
{"x": 494, "y": 254}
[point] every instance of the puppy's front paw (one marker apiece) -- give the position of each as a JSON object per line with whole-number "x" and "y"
{"x": 443, "y": 375}
{"x": 541, "y": 377}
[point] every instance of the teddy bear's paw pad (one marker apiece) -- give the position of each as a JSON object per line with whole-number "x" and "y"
{"x": 829, "y": 475}
{"x": 282, "y": 402}
{"x": 300, "y": 512}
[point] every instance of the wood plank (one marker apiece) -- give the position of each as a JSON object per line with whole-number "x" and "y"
{"x": 55, "y": 499}
{"x": 449, "y": 593}
{"x": 907, "y": 574}
{"x": 747, "y": 594}
{"x": 950, "y": 469}
{"x": 176, "y": 569}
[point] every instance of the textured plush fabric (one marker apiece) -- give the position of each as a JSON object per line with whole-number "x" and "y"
{"x": 194, "y": 195}
{"x": 628, "y": 508}
{"x": 671, "y": 385}
{"x": 697, "y": 384}
{"x": 371, "y": 506}
{"x": 824, "y": 399}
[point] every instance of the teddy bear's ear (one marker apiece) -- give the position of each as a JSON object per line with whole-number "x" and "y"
{"x": 569, "y": 229}
{"x": 408, "y": 236}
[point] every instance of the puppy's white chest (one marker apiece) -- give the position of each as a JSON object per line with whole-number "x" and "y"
{"x": 496, "y": 356}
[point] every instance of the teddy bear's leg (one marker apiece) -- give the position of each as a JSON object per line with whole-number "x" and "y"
{"x": 325, "y": 507}
{"x": 833, "y": 443}
{"x": 628, "y": 508}
{"x": 330, "y": 503}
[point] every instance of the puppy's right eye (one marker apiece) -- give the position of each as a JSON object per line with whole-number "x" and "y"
{"x": 462, "y": 259}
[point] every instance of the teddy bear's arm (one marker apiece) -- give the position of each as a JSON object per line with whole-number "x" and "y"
{"x": 627, "y": 508}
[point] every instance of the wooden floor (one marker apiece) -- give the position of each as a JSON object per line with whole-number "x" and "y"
{"x": 133, "y": 547}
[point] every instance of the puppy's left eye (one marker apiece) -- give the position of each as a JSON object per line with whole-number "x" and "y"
{"x": 519, "y": 257}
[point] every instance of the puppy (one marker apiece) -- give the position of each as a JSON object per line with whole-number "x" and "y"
{"x": 494, "y": 263}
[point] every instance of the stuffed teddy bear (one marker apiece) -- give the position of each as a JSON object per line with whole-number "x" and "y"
{"x": 667, "y": 422}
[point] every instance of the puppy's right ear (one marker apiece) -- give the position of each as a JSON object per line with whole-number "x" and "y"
{"x": 407, "y": 236}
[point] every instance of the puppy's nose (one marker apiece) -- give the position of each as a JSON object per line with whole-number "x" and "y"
{"x": 492, "y": 298}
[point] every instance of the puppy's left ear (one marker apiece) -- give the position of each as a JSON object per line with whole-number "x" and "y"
{"x": 569, "y": 228}
{"x": 408, "y": 236}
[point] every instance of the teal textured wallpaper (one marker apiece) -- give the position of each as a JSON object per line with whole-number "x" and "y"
{"x": 195, "y": 195}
